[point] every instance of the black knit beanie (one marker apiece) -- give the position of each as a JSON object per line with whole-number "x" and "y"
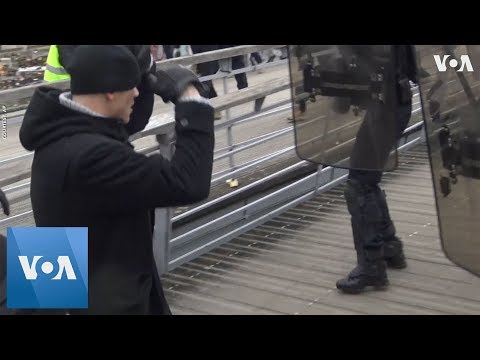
{"x": 96, "y": 69}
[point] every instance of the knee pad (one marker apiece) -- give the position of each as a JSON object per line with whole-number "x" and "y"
{"x": 362, "y": 201}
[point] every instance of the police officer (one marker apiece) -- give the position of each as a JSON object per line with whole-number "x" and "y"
{"x": 375, "y": 241}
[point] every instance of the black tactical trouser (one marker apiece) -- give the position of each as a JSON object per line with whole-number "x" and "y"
{"x": 256, "y": 56}
{"x": 211, "y": 67}
{"x": 371, "y": 222}
{"x": 238, "y": 62}
{"x": 207, "y": 68}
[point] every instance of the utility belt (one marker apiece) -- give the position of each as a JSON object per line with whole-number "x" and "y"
{"x": 359, "y": 84}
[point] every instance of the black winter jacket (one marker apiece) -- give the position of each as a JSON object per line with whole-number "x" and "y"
{"x": 85, "y": 173}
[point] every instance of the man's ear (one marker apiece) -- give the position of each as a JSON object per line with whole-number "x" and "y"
{"x": 110, "y": 96}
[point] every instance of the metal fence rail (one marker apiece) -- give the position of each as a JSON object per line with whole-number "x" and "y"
{"x": 162, "y": 124}
{"x": 25, "y": 92}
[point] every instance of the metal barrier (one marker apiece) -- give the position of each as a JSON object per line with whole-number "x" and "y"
{"x": 12, "y": 95}
{"x": 161, "y": 125}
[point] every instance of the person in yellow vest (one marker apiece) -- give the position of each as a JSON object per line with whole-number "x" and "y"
{"x": 58, "y": 57}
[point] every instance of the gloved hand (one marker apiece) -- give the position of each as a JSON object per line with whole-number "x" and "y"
{"x": 4, "y": 202}
{"x": 144, "y": 57}
{"x": 170, "y": 82}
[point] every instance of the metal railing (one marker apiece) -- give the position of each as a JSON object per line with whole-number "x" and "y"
{"x": 162, "y": 124}
{"x": 25, "y": 92}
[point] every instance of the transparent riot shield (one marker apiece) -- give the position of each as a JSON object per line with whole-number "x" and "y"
{"x": 449, "y": 85}
{"x": 344, "y": 105}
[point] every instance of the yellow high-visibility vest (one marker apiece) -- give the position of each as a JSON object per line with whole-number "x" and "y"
{"x": 54, "y": 71}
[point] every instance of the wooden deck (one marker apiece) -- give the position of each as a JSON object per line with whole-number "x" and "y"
{"x": 290, "y": 264}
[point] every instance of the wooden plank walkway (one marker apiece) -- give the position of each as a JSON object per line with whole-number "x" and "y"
{"x": 290, "y": 264}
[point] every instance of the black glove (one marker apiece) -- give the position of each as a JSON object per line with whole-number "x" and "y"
{"x": 4, "y": 202}
{"x": 171, "y": 81}
{"x": 146, "y": 64}
{"x": 143, "y": 55}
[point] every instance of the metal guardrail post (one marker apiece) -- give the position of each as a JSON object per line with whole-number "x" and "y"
{"x": 224, "y": 66}
{"x": 162, "y": 232}
{"x": 318, "y": 177}
{"x": 231, "y": 159}
{"x": 161, "y": 239}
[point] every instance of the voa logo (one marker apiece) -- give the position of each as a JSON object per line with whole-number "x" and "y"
{"x": 30, "y": 267}
{"x": 441, "y": 63}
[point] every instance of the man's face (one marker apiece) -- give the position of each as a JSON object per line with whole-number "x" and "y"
{"x": 121, "y": 104}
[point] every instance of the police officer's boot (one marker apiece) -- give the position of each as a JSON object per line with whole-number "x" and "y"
{"x": 393, "y": 247}
{"x": 366, "y": 217}
{"x": 371, "y": 272}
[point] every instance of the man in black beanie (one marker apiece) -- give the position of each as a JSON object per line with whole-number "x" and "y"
{"x": 143, "y": 107}
{"x": 104, "y": 79}
{"x": 85, "y": 173}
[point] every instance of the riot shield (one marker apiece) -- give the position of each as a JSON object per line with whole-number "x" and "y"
{"x": 450, "y": 93}
{"x": 345, "y": 101}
